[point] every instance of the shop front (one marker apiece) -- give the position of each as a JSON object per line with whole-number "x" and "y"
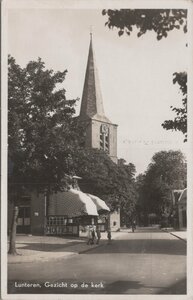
{"x": 63, "y": 225}
{"x": 71, "y": 212}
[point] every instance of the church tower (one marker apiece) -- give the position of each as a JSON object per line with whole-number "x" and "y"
{"x": 100, "y": 132}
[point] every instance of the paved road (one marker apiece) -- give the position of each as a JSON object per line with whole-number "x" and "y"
{"x": 134, "y": 263}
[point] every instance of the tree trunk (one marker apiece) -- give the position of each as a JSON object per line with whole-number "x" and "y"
{"x": 12, "y": 248}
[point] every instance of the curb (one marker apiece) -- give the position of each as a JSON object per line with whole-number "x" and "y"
{"x": 175, "y": 235}
{"x": 178, "y": 237}
{"x": 90, "y": 249}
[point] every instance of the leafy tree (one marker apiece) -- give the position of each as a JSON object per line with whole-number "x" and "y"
{"x": 46, "y": 143}
{"x": 161, "y": 21}
{"x": 112, "y": 182}
{"x": 141, "y": 207}
{"x": 180, "y": 121}
{"x": 166, "y": 172}
{"x": 41, "y": 130}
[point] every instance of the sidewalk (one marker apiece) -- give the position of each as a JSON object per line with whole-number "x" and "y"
{"x": 46, "y": 248}
{"x": 182, "y": 235}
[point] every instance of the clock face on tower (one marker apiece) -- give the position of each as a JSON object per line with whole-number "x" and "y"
{"x": 104, "y": 128}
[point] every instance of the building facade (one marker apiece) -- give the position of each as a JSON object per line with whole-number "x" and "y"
{"x": 179, "y": 213}
{"x": 32, "y": 213}
{"x": 182, "y": 210}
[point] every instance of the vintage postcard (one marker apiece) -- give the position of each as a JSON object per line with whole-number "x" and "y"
{"x": 97, "y": 149}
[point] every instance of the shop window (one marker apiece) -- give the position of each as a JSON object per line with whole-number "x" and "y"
{"x": 53, "y": 220}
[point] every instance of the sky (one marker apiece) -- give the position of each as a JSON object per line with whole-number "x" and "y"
{"x": 135, "y": 74}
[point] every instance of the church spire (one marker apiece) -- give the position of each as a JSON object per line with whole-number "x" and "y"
{"x": 92, "y": 102}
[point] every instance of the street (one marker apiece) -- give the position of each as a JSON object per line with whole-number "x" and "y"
{"x": 143, "y": 262}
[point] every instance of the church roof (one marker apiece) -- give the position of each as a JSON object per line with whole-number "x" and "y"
{"x": 92, "y": 102}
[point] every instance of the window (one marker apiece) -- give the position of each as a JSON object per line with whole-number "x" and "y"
{"x": 104, "y": 138}
{"x": 56, "y": 220}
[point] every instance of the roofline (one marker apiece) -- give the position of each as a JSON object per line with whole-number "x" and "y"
{"x": 103, "y": 121}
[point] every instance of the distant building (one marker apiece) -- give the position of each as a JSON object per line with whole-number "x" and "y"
{"x": 182, "y": 210}
{"x": 179, "y": 213}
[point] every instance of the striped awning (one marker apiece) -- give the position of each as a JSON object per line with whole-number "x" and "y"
{"x": 72, "y": 203}
{"x": 100, "y": 204}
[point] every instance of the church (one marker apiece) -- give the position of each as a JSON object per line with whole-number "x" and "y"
{"x": 70, "y": 212}
{"x": 100, "y": 133}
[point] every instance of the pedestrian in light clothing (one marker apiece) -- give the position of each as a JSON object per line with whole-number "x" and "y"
{"x": 98, "y": 233}
{"x": 89, "y": 242}
{"x": 93, "y": 235}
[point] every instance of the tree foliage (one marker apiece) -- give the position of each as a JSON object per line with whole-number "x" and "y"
{"x": 42, "y": 133}
{"x": 161, "y": 21}
{"x": 166, "y": 172}
{"x": 112, "y": 182}
{"x": 40, "y": 123}
{"x": 180, "y": 121}
{"x": 45, "y": 142}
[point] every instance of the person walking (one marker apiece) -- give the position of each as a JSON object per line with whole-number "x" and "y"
{"x": 98, "y": 233}
{"x": 109, "y": 236}
{"x": 133, "y": 226}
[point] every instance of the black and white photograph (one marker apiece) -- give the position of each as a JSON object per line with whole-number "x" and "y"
{"x": 96, "y": 149}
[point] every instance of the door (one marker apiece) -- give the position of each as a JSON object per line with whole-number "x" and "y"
{"x": 23, "y": 221}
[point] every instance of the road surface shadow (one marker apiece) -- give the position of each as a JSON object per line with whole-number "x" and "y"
{"x": 146, "y": 246}
{"x": 154, "y": 246}
{"x": 48, "y": 247}
{"x": 179, "y": 288}
{"x": 122, "y": 287}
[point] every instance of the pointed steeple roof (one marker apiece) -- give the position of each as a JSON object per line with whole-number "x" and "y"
{"x": 92, "y": 102}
